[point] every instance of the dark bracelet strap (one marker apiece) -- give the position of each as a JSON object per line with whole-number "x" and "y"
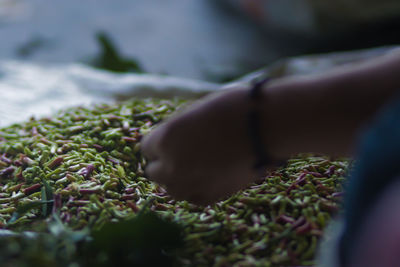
{"x": 254, "y": 126}
{"x": 255, "y": 90}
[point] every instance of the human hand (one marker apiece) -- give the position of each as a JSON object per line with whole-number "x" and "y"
{"x": 203, "y": 153}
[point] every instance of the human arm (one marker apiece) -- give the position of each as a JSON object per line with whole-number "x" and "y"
{"x": 204, "y": 153}
{"x": 325, "y": 112}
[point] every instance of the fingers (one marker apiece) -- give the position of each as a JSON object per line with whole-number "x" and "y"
{"x": 196, "y": 196}
{"x": 151, "y": 144}
{"x": 156, "y": 172}
{"x": 180, "y": 189}
{"x": 193, "y": 187}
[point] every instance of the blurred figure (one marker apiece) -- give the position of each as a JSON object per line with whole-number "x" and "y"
{"x": 371, "y": 235}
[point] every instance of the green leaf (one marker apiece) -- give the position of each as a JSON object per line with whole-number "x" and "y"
{"x": 23, "y": 209}
{"x": 110, "y": 59}
{"x": 59, "y": 229}
{"x": 47, "y": 194}
{"x": 141, "y": 241}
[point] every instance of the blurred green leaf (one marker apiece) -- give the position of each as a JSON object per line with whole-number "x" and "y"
{"x": 141, "y": 241}
{"x": 23, "y": 209}
{"x": 47, "y": 194}
{"x": 110, "y": 59}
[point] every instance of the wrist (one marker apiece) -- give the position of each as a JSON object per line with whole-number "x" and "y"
{"x": 255, "y": 127}
{"x": 287, "y": 126}
{"x": 302, "y": 117}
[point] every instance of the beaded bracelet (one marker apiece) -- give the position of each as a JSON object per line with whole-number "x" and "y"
{"x": 254, "y": 126}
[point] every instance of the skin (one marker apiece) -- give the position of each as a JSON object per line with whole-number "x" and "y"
{"x": 204, "y": 153}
